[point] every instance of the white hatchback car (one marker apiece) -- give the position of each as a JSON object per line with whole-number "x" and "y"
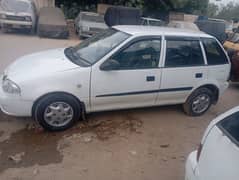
{"x": 122, "y": 67}
{"x": 218, "y": 154}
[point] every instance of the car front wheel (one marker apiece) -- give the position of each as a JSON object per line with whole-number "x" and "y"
{"x": 57, "y": 112}
{"x": 198, "y": 102}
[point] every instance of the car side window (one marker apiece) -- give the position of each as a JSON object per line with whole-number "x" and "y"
{"x": 143, "y": 54}
{"x": 214, "y": 53}
{"x": 230, "y": 126}
{"x": 183, "y": 53}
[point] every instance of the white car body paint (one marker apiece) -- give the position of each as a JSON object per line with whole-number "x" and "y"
{"x": 219, "y": 155}
{"x": 51, "y": 71}
{"x": 32, "y": 13}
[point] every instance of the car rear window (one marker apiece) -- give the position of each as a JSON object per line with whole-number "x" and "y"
{"x": 214, "y": 52}
{"x": 230, "y": 127}
{"x": 182, "y": 53}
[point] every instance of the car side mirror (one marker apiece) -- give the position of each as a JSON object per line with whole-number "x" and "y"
{"x": 110, "y": 65}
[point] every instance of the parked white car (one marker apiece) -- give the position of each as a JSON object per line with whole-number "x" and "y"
{"x": 122, "y": 67}
{"x": 88, "y": 24}
{"x": 145, "y": 21}
{"x": 18, "y": 14}
{"x": 218, "y": 154}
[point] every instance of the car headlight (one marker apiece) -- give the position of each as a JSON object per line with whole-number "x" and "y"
{"x": 2, "y": 16}
{"x": 28, "y": 18}
{"x": 10, "y": 87}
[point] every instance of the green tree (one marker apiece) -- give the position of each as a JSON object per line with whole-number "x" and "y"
{"x": 230, "y": 11}
{"x": 212, "y": 10}
{"x": 153, "y": 6}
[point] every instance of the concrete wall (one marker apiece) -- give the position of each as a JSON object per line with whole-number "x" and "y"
{"x": 190, "y": 17}
{"x": 176, "y": 16}
{"x": 44, "y": 3}
{"x": 101, "y": 8}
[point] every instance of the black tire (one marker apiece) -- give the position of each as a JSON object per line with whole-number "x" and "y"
{"x": 188, "y": 105}
{"x": 4, "y": 29}
{"x": 47, "y": 100}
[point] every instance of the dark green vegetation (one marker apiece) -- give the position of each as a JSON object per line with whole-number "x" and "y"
{"x": 155, "y": 8}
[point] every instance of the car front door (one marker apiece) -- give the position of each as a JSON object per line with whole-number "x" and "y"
{"x": 129, "y": 78}
{"x": 184, "y": 68}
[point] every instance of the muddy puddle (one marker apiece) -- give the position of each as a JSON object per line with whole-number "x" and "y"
{"x": 40, "y": 147}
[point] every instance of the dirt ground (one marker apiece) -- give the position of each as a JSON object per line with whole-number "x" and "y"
{"x": 142, "y": 144}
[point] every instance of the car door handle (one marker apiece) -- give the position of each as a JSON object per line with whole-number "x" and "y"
{"x": 150, "y": 78}
{"x": 198, "y": 75}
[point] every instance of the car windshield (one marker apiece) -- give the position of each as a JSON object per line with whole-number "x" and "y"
{"x": 15, "y": 5}
{"x": 93, "y": 49}
{"x": 154, "y": 23}
{"x": 92, "y": 17}
{"x": 234, "y": 38}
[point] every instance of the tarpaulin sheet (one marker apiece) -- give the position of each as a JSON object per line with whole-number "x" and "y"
{"x": 214, "y": 28}
{"x": 118, "y": 15}
{"x": 52, "y": 23}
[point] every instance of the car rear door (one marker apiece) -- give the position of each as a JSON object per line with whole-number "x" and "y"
{"x": 219, "y": 158}
{"x": 184, "y": 68}
{"x": 217, "y": 61}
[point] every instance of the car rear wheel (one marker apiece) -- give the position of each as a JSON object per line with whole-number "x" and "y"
{"x": 57, "y": 112}
{"x": 198, "y": 102}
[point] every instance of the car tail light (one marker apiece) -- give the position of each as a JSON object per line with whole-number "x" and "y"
{"x": 199, "y": 151}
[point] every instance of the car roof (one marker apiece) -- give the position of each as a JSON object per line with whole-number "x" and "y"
{"x": 140, "y": 30}
{"x": 183, "y": 22}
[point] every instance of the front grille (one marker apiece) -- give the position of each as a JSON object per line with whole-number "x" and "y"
{"x": 16, "y": 18}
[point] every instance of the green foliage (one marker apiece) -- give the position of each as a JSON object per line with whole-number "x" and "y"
{"x": 230, "y": 11}
{"x": 189, "y": 6}
{"x": 212, "y": 10}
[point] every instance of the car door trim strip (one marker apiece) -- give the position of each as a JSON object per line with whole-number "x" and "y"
{"x": 147, "y": 92}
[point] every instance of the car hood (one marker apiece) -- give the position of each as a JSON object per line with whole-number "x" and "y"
{"x": 40, "y": 64}
{"x": 94, "y": 24}
{"x": 11, "y": 13}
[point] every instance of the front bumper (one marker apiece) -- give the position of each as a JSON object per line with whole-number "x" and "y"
{"x": 16, "y": 24}
{"x": 14, "y": 105}
{"x": 191, "y": 165}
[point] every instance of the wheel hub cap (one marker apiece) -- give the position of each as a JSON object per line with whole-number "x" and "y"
{"x": 58, "y": 114}
{"x": 201, "y": 103}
